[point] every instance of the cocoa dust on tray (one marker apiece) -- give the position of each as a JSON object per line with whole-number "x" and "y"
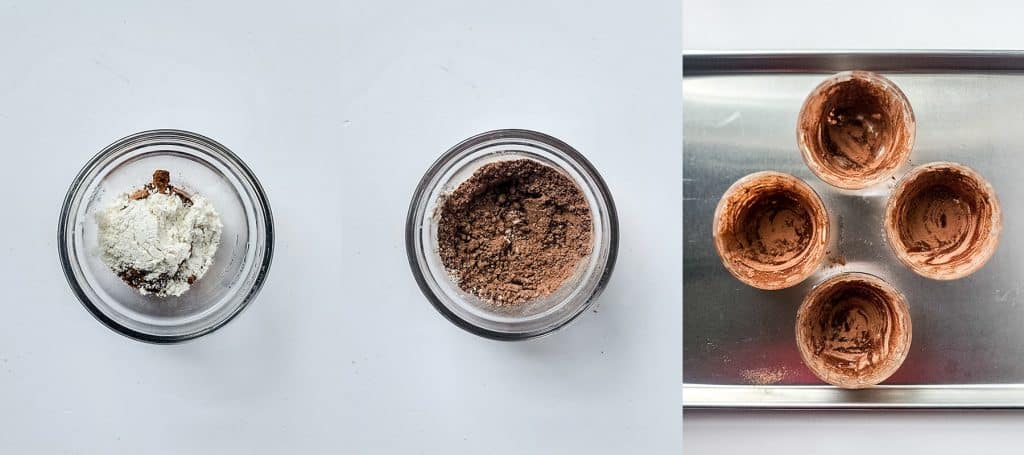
{"x": 514, "y": 231}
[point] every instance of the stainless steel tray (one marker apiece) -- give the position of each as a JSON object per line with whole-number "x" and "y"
{"x": 739, "y": 116}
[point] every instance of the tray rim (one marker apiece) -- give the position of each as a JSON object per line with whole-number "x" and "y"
{"x": 696, "y": 396}
{"x": 824, "y": 397}
{"x": 709, "y": 63}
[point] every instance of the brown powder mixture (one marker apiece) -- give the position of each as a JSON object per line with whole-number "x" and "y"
{"x": 943, "y": 220}
{"x": 514, "y": 231}
{"x": 857, "y": 127}
{"x": 775, "y": 230}
{"x": 938, "y": 218}
{"x": 853, "y": 330}
{"x": 942, "y": 217}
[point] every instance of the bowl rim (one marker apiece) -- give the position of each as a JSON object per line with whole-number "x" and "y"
{"x": 424, "y": 186}
{"x": 901, "y": 308}
{"x": 987, "y": 246}
{"x": 817, "y": 249}
{"x": 809, "y": 152}
{"x": 118, "y": 145}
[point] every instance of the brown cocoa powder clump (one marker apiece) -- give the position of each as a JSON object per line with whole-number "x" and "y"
{"x": 161, "y": 184}
{"x": 514, "y": 231}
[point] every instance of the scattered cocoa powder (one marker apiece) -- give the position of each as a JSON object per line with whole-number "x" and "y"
{"x": 836, "y": 261}
{"x": 765, "y": 376}
{"x": 514, "y": 231}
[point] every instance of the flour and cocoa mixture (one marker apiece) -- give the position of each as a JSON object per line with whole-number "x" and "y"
{"x": 770, "y": 230}
{"x": 158, "y": 239}
{"x": 938, "y": 218}
{"x": 514, "y": 231}
{"x": 775, "y": 230}
{"x": 943, "y": 220}
{"x": 857, "y": 126}
{"x": 853, "y": 330}
{"x": 855, "y": 129}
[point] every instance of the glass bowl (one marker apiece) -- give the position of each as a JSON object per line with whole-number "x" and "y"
{"x": 198, "y": 165}
{"x": 536, "y": 317}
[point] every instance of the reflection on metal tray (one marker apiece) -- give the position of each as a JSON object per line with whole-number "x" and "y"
{"x": 738, "y": 342}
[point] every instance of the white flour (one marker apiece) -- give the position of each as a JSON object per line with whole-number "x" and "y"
{"x": 159, "y": 244}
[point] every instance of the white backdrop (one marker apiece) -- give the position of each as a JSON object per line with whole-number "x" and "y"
{"x": 869, "y": 24}
{"x": 339, "y": 107}
{"x": 843, "y": 24}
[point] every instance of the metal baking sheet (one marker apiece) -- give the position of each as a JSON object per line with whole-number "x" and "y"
{"x": 740, "y": 114}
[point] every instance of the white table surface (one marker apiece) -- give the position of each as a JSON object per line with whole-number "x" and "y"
{"x": 339, "y": 107}
{"x": 790, "y": 24}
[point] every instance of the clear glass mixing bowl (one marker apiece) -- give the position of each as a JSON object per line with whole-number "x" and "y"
{"x": 537, "y": 317}
{"x": 199, "y": 166}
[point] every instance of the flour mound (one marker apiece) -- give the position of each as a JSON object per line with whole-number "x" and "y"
{"x": 159, "y": 244}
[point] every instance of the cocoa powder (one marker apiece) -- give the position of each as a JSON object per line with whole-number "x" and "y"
{"x": 161, "y": 184}
{"x": 514, "y": 231}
